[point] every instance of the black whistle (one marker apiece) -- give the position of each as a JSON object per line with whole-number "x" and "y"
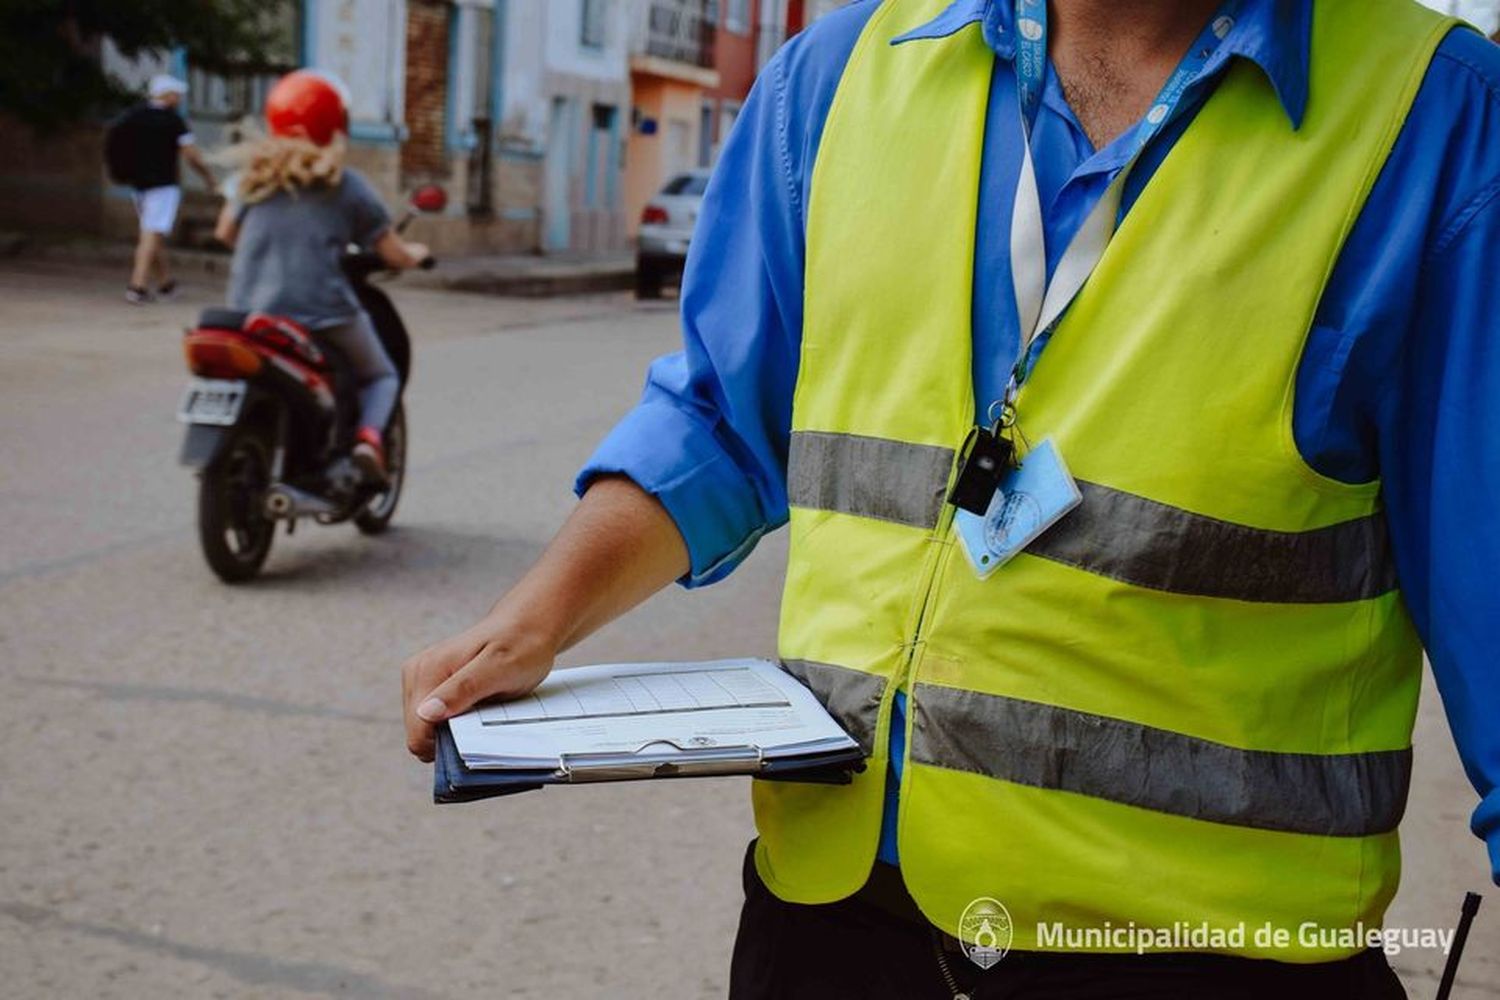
{"x": 986, "y": 459}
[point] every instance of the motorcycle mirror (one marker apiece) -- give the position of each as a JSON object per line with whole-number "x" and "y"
{"x": 429, "y": 198}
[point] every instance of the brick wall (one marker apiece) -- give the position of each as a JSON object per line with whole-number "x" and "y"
{"x": 423, "y": 156}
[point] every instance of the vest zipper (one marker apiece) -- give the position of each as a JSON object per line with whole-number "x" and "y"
{"x": 929, "y": 585}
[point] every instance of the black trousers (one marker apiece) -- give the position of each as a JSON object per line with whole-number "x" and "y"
{"x": 865, "y": 948}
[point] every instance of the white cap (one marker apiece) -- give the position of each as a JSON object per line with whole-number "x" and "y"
{"x": 163, "y": 84}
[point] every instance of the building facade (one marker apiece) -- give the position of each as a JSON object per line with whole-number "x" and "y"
{"x": 549, "y": 122}
{"x": 672, "y": 52}
{"x": 738, "y": 58}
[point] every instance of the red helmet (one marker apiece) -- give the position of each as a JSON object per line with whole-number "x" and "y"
{"x": 309, "y": 105}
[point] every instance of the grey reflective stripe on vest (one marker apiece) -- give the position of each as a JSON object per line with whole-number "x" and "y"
{"x": 867, "y": 476}
{"x": 1151, "y": 544}
{"x": 851, "y": 696}
{"x": 1341, "y": 795}
{"x": 1111, "y": 533}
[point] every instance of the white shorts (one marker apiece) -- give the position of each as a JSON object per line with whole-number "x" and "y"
{"x": 157, "y": 208}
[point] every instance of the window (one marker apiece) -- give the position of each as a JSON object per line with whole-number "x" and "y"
{"x": 601, "y": 158}
{"x": 679, "y": 148}
{"x": 737, "y": 16}
{"x": 481, "y": 42}
{"x": 706, "y": 134}
{"x": 729, "y": 112}
{"x": 471, "y": 83}
{"x": 687, "y": 184}
{"x": 591, "y": 24}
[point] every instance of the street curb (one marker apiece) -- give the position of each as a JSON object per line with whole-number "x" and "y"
{"x": 523, "y": 277}
{"x": 534, "y": 286}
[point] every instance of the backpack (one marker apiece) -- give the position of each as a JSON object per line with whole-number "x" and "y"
{"x": 120, "y": 147}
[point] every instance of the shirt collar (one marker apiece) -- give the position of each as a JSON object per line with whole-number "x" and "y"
{"x": 1272, "y": 34}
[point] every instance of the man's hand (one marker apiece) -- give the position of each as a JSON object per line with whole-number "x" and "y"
{"x": 494, "y": 658}
{"x": 227, "y": 227}
{"x": 617, "y": 549}
{"x": 195, "y": 159}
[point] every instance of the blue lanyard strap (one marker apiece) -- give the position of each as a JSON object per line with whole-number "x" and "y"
{"x": 1031, "y": 57}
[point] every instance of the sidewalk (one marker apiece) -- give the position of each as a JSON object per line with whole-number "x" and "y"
{"x": 516, "y": 275}
{"x": 531, "y": 275}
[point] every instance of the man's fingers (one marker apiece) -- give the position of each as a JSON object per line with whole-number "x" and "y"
{"x": 424, "y": 751}
{"x": 418, "y": 675}
{"x": 418, "y": 735}
{"x": 450, "y": 678}
{"x": 473, "y": 681}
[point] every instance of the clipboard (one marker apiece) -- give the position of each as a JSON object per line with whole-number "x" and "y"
{"x": 454, "y": 781}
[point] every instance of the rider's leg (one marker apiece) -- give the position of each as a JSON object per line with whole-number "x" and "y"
{"x": 378, "y": 382}
{"x": 379, "y": 385}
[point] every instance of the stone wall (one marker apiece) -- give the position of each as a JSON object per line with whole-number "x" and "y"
{"x": 52, "y": 183}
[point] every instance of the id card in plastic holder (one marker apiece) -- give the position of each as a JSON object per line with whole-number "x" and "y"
{"x": 1032, "y": 497}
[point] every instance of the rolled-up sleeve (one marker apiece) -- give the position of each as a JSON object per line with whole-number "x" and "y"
{"x": 709, "y": 436}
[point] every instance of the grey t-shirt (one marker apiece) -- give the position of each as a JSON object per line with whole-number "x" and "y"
{"x": 286, "y": 259}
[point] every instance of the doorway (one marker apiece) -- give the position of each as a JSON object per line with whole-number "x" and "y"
{"x": 557, "y": 232}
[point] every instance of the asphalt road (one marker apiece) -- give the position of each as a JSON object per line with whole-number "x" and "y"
{"x": 203, "y": 789}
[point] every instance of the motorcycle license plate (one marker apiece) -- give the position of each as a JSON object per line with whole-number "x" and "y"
{"x": 212, "y": 401}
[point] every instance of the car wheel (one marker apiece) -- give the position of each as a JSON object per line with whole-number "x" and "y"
{"x": 648, "y": 278}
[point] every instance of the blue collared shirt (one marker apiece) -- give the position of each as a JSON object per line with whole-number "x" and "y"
{"x": 1400, "y": 378}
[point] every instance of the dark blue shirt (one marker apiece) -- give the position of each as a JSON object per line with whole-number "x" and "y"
{"x": 1400, "y": 378}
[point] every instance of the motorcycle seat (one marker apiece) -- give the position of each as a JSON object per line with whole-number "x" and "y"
{"x": 218, "y": 318}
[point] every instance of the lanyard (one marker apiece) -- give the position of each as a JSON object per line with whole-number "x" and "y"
{"x": 1038, "y": 303}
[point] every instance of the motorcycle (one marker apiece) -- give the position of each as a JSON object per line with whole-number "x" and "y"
{"x": 271, "y": 416}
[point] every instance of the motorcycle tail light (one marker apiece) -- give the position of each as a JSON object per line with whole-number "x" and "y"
{"x": 218, "y": 354}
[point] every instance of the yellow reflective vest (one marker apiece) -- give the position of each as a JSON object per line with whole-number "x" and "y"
{"x": 1192, "y": 699}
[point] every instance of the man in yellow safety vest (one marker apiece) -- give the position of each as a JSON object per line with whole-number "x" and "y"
{"x": 1128, "y": 374}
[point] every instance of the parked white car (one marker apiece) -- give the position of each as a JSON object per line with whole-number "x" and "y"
{"x": 666, "y": 227}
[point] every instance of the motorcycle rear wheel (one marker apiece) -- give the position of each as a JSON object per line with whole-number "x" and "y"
{"x": 233, "y": 528}
{"x": 377, "y": 513}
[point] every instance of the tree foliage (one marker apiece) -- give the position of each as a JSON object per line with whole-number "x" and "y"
{"x": 50, "y": 70}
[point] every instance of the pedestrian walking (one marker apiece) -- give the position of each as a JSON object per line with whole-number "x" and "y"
{"x": 1127, "y": 375}
{"x": 143, "y": 149}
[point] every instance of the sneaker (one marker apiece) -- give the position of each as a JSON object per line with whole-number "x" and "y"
{"x": 167, "y": 290}
{"x": 138, "y": 296}
{"x": 369, "y": 454}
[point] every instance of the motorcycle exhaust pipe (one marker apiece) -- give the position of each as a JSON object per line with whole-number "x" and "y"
{"x": 285, "y": 502}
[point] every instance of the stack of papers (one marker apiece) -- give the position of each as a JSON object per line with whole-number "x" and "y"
{"x": 644, "y": 720}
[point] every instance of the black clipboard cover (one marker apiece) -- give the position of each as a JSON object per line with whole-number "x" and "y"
{"x": 453, "y": 781}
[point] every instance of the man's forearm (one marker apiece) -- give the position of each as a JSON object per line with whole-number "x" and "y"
{"x": 200, "y": 167}
{"x": 617, "y": 548}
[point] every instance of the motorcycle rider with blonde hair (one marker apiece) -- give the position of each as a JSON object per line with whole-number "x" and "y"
{"x": 293, "y": 210}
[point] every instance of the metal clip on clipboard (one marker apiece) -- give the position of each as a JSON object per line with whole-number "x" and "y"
{"x": 578, "y": 768}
